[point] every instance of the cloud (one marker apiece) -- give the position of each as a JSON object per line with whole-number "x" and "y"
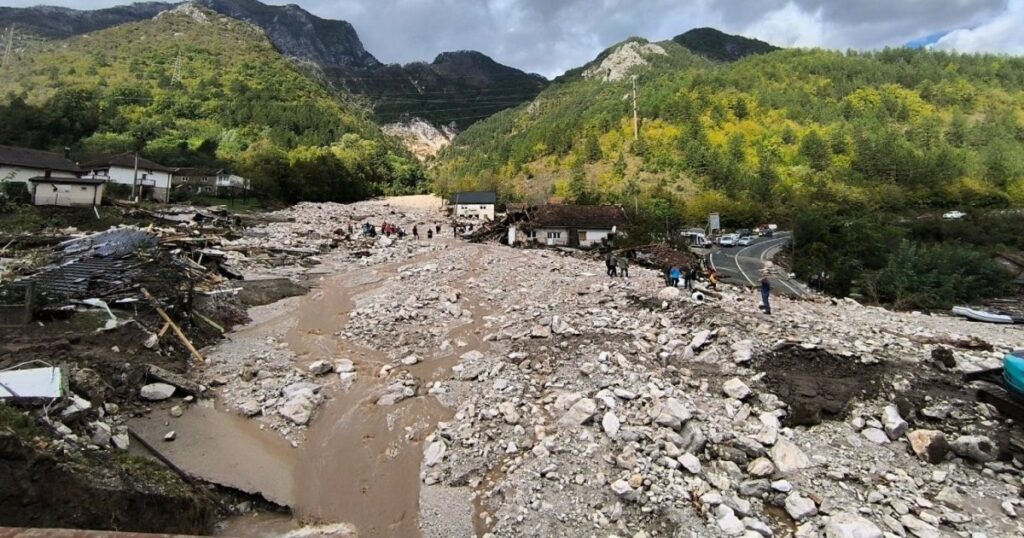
{"x": 1000, "y": 34}
{"x": 551, "y": 36}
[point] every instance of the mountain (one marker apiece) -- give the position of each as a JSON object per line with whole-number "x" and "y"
{"x": 194, "y": 87}
{"x": 720, "y": 46}
{"x": 59, "y": 23}
{"x": 455, "y": 90}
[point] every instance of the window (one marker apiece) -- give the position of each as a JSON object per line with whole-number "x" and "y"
{"x": 483, "y": 207}
{"x": 554, "y": 235}
{"x": 532, "y": 234}
{"x": 582, "y": 236}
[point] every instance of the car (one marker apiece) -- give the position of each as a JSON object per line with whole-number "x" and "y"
{"x": 745, "y": 241}
{"x": 729, "y": 240}
{"x": 954, "y": 215}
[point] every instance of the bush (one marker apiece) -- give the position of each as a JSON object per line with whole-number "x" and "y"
{"x": 937, "y": 276}
{"x": 16, "y": 193}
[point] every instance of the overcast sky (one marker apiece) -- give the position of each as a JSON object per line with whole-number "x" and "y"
{"x": 550, "y": 36}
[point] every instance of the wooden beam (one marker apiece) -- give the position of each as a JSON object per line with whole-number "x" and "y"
{"x": 174, "y": 326}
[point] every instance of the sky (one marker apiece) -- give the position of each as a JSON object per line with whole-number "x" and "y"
{"x": 551, "y": 36}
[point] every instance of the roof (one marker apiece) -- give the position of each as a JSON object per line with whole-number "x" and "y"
{"x": 33, "y": 158}
{"x": 125, "y": 160}
{"x": 603, "y": 217}
{"x": 68, "y": 180}
{"x": 195, "y": 171}
{"x": 475, "y": 198}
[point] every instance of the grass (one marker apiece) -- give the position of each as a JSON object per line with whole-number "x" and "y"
{"x": 33, "y": 219}
{"x": 14, "y": 420}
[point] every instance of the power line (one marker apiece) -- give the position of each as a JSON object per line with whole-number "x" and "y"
{"x": 10, "y": 45}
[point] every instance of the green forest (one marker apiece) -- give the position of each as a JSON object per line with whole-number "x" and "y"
{"x": 195, "y": 90}
{"x": 847, "y": 148}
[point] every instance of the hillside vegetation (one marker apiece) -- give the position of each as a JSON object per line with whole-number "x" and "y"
{"x": 236, "y": 102}
{"x": 841, "y": 145}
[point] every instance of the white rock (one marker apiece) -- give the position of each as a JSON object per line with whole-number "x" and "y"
{"x": 508, "y": 412}
{"x": 787, "y": 457}
{"x": 742, "y": 351}
{"x": 156, "y": 392}
{"x": 320, "y": 368}
{"x": 623, "y": 490}
{"x": 669, "y": 294}
{"x": 177, "y": 411}
{"x": 690, "y": 462}
{"x": 101, "y": 434}
{"x": 671, "y": 413}
{"x": 849, "y": 525}
{"x": 736, "y": 389}
{"x": 976, "y": 447}
{"x": 875, "y": 435}
{"x": 799, "y": 507}
{"x": 434, "y": 453}
{"x": 610, "y": 423}
{"x": 411, "y": 360}
{"x": 700, "y": 339}
{"x": 761, "y": 468}
{"x": 730, "y": 525}
{"x": 120, "y": 441}
{"x": 298, "y": 410}
{"x": 344, "y": 366}
{"x": 929, "y": 445}
{"x": 170, "y": 436}
{"x": 894, "y": 424}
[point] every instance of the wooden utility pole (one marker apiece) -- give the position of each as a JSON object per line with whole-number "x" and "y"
{"x": 636, "y": 114}
{"x": 8, "y": 48}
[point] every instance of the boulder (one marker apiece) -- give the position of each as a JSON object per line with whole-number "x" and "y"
{"x": 787, "y": 457}
{"x": 849, "y": 525}
{"x": 101, "y": 434}
{"x": 761, "y": 468}
{"x": 320, "y": 368}
{"x": 799, "y": 507}
{"x": 690, "y": 463}
{"x": 671, "y": 413}
{"x": 434, "y": 453}
{"x": 875, "y": 435}
{"x": 298, "y": 410}
{"x": 929, "y": 445}
{"x": 623, "y": 490}
{"x": 736, "y": 389}
{"x": 156, "y": 392}
{"x": 975, "y": 447}
{"x": 669, "y": 294}
{"x": 344, "y": 366}
{"x": 894, "y": 424}
{"x": 742, "y": 351}
{"x": 610, "y": 423}
{"x": 700, "y": 339}
{"x": 579, "y": 413}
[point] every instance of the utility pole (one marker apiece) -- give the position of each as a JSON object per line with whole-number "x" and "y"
{"x": 135, "y": 180}
{"x": 636, "y": 114}
{"x": 176, "y": 77}
{"x": 7, "y": 49}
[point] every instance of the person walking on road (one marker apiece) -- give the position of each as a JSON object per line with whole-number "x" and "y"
{"x": 623, "y": 267}
{"x": 766, "y": 289}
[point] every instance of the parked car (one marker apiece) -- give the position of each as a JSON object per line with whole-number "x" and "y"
{"x": 954, "y": 215}
{"x": 745, "y": 241}
{"x": 729, "y": 240}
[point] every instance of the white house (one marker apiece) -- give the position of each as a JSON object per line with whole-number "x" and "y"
{"x": 475, "y": 205}
{"x": 569, "y": 225}
{"x": 19, "y": 165}
{"x": 68, "y": 191}
{"x": 207, "y": 180}
{"x": 154, "y": 180}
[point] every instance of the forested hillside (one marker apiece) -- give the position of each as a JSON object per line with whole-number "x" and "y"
{"x": 791, "y": 136}
{"x": 193, "y": 87}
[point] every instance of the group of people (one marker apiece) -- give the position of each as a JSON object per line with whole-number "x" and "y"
{"x": 617, "y": 265}
{"x": 389, "y": 229}
{"x": 687, "y": 275}
{"x": 818, "y": 281}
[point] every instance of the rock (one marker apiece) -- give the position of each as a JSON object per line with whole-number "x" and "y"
{"x": 929, "y": 445}
{"x": 875, "y": 435}
{"x": 610, "y": 423}
{"x": 170, "y": 436}
{"x": 769, "y": 432}
{"x": 976, "y": 447}
{"x": 849, "y": 525}
{"x": 101, "y": 434}
{"x": 410, "y": 360}
{"x": 623, "y": 490}
{"x": 344, "y": 366}
{"x": 177, "y": 411}
{"x": 298, "y": 410}
{"x": 692, "y": 439}
{"x": 754, "y": 488}
{"x": 320, "y": 368}
{"x": 700, "y": 339}
{"x": 540, "y": 331}
{"x": 669, "y": 294}
{"x": 787, "y": 457}
{"x": 944, "y": 356}
{"x": 385, "y": 241}
{"x": 249, "y": 408}
{"x": 156, "y": 392}
{"x": 742, "y": 351}
{"x": 736, "y": 389}
{"x": 799, "y": 507}
{"x": 761, "y": 468}
{"x": 508, "y": 412}
{"x": 894, "y": 424}
{"x": 579, "y": 413}
{"x": 151, "y": 341}
{"x": 671, "y": 413}
{"x": 758, "y": 526}
{"x": 434, "y": 453}
{"x": 76, "y": 405}
{"x": 90, "y": 383}
{"x": 690, "y": 463}
{"x": 120, "y": 441}
{"x": 731, "y": 525}
{"x": 919, "y": 528}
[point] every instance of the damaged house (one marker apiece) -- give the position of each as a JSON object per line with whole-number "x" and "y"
{"x": 152, "y": 179}
{"x": 568, "y": 225}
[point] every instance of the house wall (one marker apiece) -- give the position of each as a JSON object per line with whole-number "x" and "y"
{"x": 475, "y": 211}
{"x": 67, "y": 194}
{"x": 587, "y": 238}
{"x": 21, "y": 174}
{"x": 157, "y": 184}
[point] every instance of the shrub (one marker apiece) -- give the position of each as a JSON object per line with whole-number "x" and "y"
{"x": 938, "y": 276}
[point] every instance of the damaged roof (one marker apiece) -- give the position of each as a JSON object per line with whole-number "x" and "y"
{"x": 33, "y": 158}
{"x": 602, "y": 217}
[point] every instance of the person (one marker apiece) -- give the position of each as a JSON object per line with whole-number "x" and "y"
{"x": 430, "y": 233}
{"x": 674, "y": 276}
{"x": 815, "y": 282}
{"x": 667, "y": 273}
{"x": 624, "y": 267}
{"x": 713, "y": 279}
{"x": 686, "y": 277}
{"x": 766, "y": 289}
{"x": 437, "y": 228}
{"x": 691, "y": 278}
{"x": 415, "y": 232}
{"x": 609, "y": 264}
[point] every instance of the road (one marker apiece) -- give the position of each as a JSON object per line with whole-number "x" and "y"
{"x": 743, "y": 264}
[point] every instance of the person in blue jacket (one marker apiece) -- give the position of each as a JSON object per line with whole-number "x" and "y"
{"x": 674, "y": 275}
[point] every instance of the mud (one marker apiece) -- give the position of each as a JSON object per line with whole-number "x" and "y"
{"x": 266, "y": 291}
{"x": 818, "y": 385}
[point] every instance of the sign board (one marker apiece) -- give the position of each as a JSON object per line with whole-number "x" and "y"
{"x": 714, "y": 223}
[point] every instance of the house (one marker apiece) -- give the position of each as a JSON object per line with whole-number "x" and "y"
{"x": 68, "y": 191}
{"x": 569, "y": 225}
{"x": 475, "y": 205}
{"x": 207, "y": 180}
{"x": 22, "y": 164}
{"x": 154, "y": 180}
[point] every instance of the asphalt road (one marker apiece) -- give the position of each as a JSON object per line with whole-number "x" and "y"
{"x": 743, "y": 265}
